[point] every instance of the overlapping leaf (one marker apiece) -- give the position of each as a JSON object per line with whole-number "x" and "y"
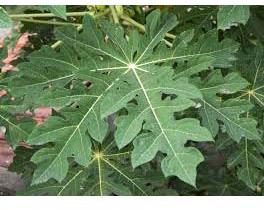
{"x": 69, "y": 131}
{"x": 185, "y": 47}
{"x": 228, "y": 111}
{"x": 232, "y": 15}
{"x": 51, "y": 76}
{"x": 222, "y": 183}
{"x": 253, "y": 59}
{"x": 107, "y": 173}
{"x": 249, "y": 162}
{"x": 45, "y": 68}
{"x": 195, "y": 16}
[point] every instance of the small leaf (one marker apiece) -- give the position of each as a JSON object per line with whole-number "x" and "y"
{"x": 232, "y": 15}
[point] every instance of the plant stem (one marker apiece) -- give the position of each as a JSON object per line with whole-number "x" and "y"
{"x": 133, "y": 22}
{"x": 47, "y": 22}
{"x": 72, "y": 14}
{"x": 114, "y": 14}
{"x": 140, "y": 26}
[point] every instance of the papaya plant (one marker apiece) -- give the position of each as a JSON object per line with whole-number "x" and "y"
{"x": 145, "y": 101}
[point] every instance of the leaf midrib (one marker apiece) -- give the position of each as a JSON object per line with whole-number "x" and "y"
{"x": 159, "y": 124}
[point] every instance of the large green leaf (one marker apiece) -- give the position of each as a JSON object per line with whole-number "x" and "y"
{"x": 139, "y": 87}
{"x": 142, "y": 82}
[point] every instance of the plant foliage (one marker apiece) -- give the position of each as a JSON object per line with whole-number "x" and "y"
{"x": 133, "y": 113}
